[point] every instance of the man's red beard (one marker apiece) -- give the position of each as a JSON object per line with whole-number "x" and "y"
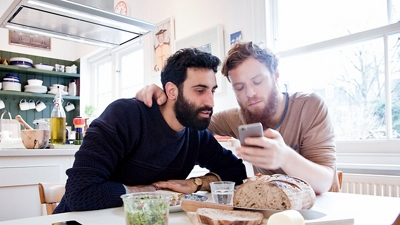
{"x": 264, "y": 115}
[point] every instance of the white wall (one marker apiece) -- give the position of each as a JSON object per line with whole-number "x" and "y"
{"x": 193, "y": 16}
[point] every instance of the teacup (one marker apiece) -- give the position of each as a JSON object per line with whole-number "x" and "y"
{"x": 23, "y": 105}
{"x": 69, "y": 106}
{"x": 32, "y": 104}
{"x": 40, "y": 106}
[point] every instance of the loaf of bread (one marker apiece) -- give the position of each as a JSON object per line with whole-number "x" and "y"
{"x": 228, "y": 217}
{"x": 278, "y": 191}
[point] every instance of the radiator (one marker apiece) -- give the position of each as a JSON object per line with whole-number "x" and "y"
{"x": 368, "y": 184}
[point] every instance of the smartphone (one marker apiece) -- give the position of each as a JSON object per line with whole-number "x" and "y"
{"x": 69, "y": 222}
{"x": 250, "y": 130}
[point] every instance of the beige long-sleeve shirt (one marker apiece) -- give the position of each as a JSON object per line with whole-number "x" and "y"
{"x": 306, "y": 127}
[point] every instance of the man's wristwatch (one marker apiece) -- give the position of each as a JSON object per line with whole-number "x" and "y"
{"x": 198, "y": 182}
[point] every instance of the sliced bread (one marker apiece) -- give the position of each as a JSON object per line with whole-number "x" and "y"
{"x": 278, "y": 191}
{"x": 228, "y": 217}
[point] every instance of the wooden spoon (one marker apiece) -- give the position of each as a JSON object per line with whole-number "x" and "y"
{"x": 22, "y": 121}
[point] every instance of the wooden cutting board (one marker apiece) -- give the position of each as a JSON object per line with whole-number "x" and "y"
{"x": 327, "y": 220}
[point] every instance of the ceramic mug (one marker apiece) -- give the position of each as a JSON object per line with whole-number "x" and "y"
{"x": 23, "y": 105}
{"x": 68, "y": 69}
{"x": 40, "y": 106}
{"x": 2, "y": 105}
{"x": 59, "y": 68}
{"x": 32, "y": 104}
{"x": 69, "y": 106}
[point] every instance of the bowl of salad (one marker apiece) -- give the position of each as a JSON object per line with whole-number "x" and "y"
{"x": 146, "y": 208}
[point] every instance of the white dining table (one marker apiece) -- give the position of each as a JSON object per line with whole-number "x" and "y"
{"x": 364, "y": 209}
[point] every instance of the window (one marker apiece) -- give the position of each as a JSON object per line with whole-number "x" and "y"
{"x": 347, "y": 51}
{"x": 305, "y": 22}
{"x": 116, "y": 74}
{"x": 132, "y": 73}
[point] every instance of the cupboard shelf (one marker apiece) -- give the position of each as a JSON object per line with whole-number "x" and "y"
{"x": 17, "y": 69}
{"x": 35, "y": 95}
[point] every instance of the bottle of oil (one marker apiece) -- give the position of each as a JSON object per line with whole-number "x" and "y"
{"x": 58, "y": 121}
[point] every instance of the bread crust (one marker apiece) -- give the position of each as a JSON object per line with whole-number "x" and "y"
{"x": 228, "y": 217}
{"x": 277, "y": 191}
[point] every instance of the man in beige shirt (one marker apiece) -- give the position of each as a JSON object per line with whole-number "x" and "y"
{"x": 298, "y": 132}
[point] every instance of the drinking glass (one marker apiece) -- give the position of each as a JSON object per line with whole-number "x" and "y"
{"x": 222, "y": 192}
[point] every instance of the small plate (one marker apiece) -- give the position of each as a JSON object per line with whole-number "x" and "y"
{"x": 194, "y": 197}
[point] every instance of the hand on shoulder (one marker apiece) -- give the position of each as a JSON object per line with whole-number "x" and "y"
{"x": 147, "y": 93}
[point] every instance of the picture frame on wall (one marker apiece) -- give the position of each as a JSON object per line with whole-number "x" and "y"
{"x": 235, "y": 38}
{"x": 163, "y": 43}
{"x": 210, "y": 40}
{"x": 29, "y": 40}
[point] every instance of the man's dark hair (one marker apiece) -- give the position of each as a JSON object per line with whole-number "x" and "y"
{"x": 175, "y": 70}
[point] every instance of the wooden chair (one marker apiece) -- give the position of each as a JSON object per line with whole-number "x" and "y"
{"x": 339, "y": 175}
{"x": 340, "y": 178}
{"x": 397, "y": 221}
{"x": 51, "y": 194}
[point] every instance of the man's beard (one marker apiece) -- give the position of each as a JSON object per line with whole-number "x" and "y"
{"x": 187, "y": 114}
{"x": 265, "y": 115}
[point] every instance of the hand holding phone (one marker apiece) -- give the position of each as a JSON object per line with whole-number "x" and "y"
{"x": 250, "y": 130}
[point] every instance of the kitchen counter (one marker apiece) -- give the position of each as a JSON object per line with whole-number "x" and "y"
{"x": 20, "y": 172}
{"x": 36, "y": 152}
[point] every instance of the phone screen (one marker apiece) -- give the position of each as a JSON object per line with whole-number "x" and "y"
{"x": 69, "y": 222}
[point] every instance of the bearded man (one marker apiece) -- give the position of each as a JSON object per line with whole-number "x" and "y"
{"x": 134, "y": 148}
{"x": 298, "y": 132}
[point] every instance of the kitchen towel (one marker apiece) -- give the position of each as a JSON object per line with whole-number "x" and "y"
{"x": 11, "y": 125}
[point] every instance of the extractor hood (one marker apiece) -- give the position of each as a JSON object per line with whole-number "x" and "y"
{"x": 73, "y": 21}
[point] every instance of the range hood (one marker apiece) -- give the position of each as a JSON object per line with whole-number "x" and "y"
{"x": 73, "y": 21}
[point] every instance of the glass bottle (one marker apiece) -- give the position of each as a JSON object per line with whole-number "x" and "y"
{"x": 58, "y": 121}
{"x": 72, "y": 88}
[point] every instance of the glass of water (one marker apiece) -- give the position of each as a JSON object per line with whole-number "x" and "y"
{"x": 222, "y": 192}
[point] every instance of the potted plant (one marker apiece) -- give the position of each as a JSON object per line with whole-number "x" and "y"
{"x": 89, "y": 112}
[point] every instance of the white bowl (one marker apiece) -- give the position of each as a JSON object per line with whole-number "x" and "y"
{"x": 21, "y": 59}
{"x": 35, "y": 82}
{"x": 55, "y": 92}
{"x": 44, "y": 67}
{"x": 11, "y": 86}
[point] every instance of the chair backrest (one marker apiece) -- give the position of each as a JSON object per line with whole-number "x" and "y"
{"x": 51, "y": 194}
{"x": 340, "y": 178}
{"x": 397, "y": 221}
{"x": 339, "y": 175}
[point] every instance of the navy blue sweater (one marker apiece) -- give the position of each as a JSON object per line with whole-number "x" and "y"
{"x": 132, "y": 144}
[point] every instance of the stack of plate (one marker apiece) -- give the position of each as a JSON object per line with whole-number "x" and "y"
{"x": 21, "y": 62}
{"x": 35, "y": 89}
{"x": 11, "y": 82}
{"x": 54, "y": 89}
{"x": 35, "y": 86}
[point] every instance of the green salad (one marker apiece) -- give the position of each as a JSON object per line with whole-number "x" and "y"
{"x": 146, "y": 210}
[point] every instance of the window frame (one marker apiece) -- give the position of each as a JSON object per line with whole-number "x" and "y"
{"x": 114, "y": 56}
{"x": 381, "y": 156}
